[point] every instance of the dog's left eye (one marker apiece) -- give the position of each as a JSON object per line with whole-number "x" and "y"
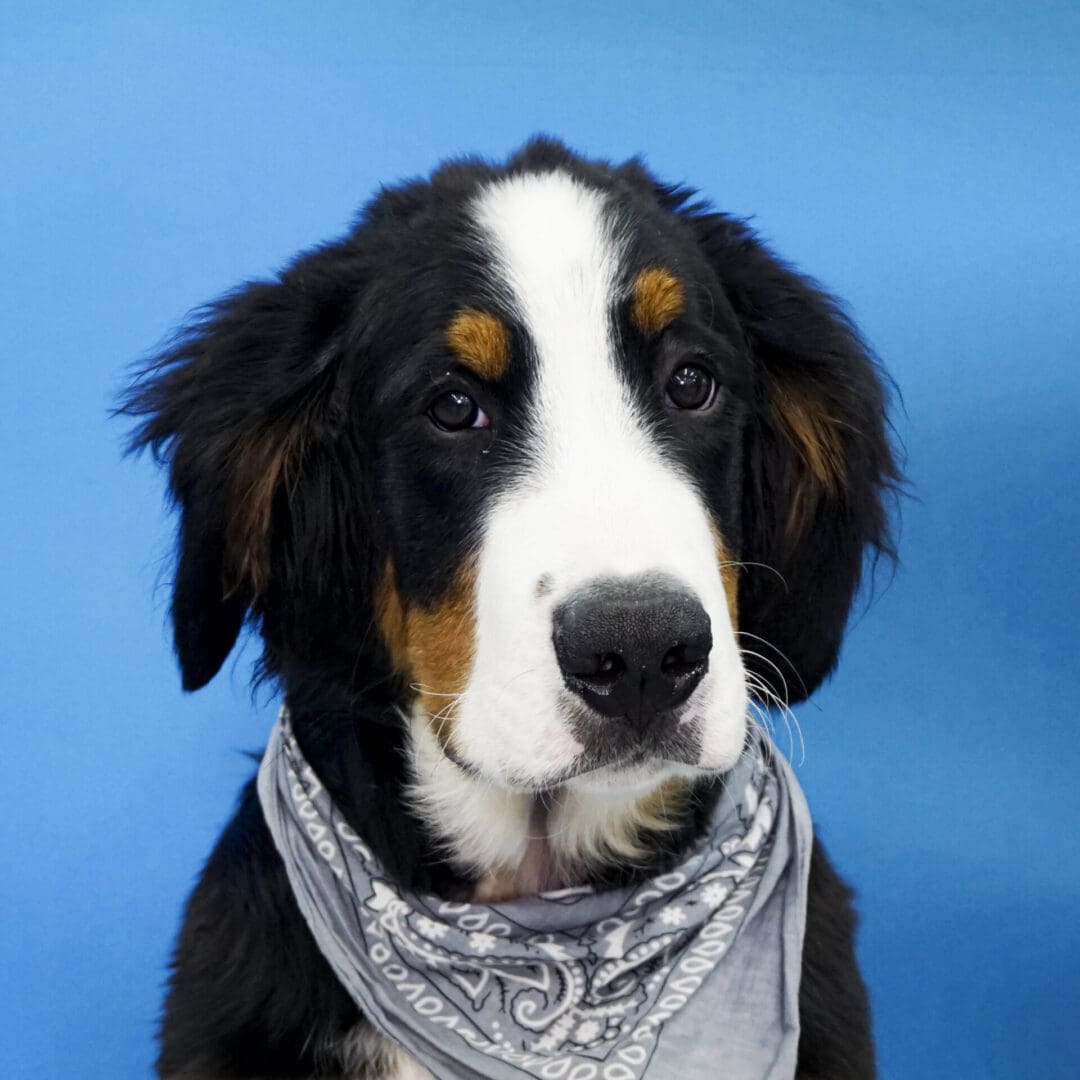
{"x": 456, "y": 411}
{"x": 690, "y": 387}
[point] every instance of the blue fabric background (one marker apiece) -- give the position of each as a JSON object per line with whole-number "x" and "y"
{"x": 920, "y": 159}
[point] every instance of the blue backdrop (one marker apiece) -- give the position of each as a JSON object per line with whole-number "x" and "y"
{"x": 922, "y": 163}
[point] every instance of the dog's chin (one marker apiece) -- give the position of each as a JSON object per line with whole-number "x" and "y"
{"x": 634, "y": 778}
{"x": 631, "y": 772}
{"x": 644, "y": 774}
{"x": 628, "y": 779}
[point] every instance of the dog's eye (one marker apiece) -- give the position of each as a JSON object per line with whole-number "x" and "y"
{"x": 456, "y": 411}
{"x": 690, "y": 387}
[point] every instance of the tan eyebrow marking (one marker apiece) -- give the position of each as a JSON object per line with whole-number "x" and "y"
{"x": 480, "y": 341}
{"x": 658, "y": 298}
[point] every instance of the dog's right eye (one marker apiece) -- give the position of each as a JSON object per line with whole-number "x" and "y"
{"x": 456, "y": 411}
{"x": 690, "y": 387}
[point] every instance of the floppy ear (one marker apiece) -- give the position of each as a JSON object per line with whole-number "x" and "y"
{"x": 819, "y": 461}
{"x": 234, "y": 408}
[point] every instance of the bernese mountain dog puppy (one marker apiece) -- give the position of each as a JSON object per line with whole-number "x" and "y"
{"x": 537, "y": 485}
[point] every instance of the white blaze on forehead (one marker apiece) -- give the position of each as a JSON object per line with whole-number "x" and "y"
{"x": 558, "y": 256}
{"x": 599, "y": 492}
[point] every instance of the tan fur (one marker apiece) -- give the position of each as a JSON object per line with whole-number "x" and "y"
{"x": 606, "y": 826}
{"x": 260, "y": 464}
{"x": 480, "y": 341}
{"x": 663, "y": 805}
{"x": 729, "y": 575}
{"x": 804, "y": 420}
{"x": 658, "y": 298}
{"x": 432, "y": 647}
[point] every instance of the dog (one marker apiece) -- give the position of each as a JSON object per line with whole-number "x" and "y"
{"x": 537, "y": 485}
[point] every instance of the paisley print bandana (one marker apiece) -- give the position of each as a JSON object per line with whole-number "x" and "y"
{"x": 692, "y": 973}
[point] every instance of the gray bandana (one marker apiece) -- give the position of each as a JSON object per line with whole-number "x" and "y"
{"x": 692, "y": 973}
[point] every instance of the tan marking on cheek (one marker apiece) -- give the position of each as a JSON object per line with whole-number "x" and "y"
{"x": 729, "y": 575}
{"x": 432, "y": 647}
{"x": 480, "y": 341}
{"x": 390, "y": 618}
{"x": 657, "y": 300}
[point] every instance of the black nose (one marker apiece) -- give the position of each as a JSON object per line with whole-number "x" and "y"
{"x": 632, "y": 647}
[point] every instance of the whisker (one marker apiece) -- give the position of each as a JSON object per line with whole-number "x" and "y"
{"x": 791, "y": 721}
{"x": 420, "y": 688}
{"x": 760, "y": 565}
{"x": 765, "y": 660}
{"x": 779, "y": 652}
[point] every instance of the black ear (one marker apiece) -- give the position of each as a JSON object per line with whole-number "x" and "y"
{"x": 234, "y": 408}
{"x": 820, "y": 467}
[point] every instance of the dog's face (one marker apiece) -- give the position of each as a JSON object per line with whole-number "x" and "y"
{"x": 584, "y": 467}
{"x": 561, "y": 586}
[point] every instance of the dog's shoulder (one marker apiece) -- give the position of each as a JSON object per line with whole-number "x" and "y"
{"x": 250, "y": 993}
{"x": 834, "y": 1010}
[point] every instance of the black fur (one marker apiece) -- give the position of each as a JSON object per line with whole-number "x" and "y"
{"x": 291, "y": 418}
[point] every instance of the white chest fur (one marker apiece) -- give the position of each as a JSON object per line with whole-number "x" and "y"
{"x": 366, "y": 1054}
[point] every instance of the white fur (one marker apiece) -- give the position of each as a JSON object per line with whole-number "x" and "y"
{"x": 482, "y": 825}
{"x": 600, "y": 500}
{"x": 409, "y": 1069}
{"x": 486, "y": 827}
{"x": 367, "y": 1054}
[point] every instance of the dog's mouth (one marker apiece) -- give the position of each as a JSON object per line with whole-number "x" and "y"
{"x": 630, "y": 759}
{"x": 633, "y": 752}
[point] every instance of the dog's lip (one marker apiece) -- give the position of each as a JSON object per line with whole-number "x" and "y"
{"x": 615, "y": 763}
{"x": 624, "y": 763}
{"x": 657, "y": 752}
{"x": 539, "y": 785}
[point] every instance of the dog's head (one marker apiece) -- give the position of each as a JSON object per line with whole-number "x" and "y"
{"x": 581, "y": 464}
